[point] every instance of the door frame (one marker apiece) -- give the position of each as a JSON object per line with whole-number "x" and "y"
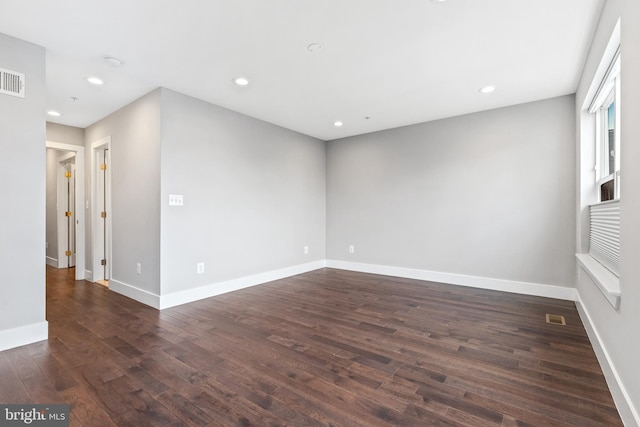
{"x": 62, "y": 222}
{"x": 97, "y": 238}
{"x": 79, "y": 202}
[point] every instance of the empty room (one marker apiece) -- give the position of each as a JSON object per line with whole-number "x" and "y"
{"x": 320, "y": 213}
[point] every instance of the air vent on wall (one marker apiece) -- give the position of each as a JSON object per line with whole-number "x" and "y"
{"x": 11, "y": 83}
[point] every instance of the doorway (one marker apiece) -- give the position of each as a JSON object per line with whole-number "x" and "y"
{"x": 74, "y": 231}
{"x": 101, "y": 212}
{"x": 66, "y": 210}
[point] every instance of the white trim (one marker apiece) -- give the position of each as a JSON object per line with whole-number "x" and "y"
{"x": 189, "y": 295}
{"x": 53, "y": 262}
{"x": 195, "y": 294}
{"x": 79, "y": 205}
{"x": 535, "y": 289}
{"x": 23, "y": 335}
{"x": 61, "y": 195}
{"x": 628, "y": 412}
{"x": 600, "y": 74}
{"x": 173, "y": 299}
{"x": 607, "y": 282}
{"x": 140, "y": 295}
{"x": 96, "y": 239}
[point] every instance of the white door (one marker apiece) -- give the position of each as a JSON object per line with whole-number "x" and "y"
{"x": 66, "y": 211}
{"x": 102, "y": 204}
{"x": 70, "y": 214}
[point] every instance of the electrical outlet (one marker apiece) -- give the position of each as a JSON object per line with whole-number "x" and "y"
{"x": 352, "y": 249}
{"x": 200, "y": 268}
{"x": 138, "y": 268}
{"x": 306, "y": 250}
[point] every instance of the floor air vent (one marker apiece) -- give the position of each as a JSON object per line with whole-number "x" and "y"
{"x": 556, "y": 319}
{"x": 11, "y": 83}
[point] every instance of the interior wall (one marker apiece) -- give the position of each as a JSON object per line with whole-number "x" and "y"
{"x": 22, "y": 235}
{"x": 65, "y": 134}
{"x": 617, "y": 330}
{"x": 489, "y": 194}
{"x": 51, "y": 207}
{"x": 254, "y": 195}
{"x": 135, "y": 191}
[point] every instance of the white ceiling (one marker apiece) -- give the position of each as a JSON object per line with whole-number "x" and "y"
{"x": 397, "y": 62}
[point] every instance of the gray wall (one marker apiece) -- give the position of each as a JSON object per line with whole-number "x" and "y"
{"x": 65, "y": 134}
{"x": 254, "y": 195}
{"x": 618, "y": 329}
{"x": 22, "y": 138}
{"x": 489, "y": 194}
{"x": 52, "y": 204}
{"x": 135, "y": 189}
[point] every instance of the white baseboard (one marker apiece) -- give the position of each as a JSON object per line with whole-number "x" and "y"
{"x": 195, "y": 294}
{"x": 189, "y": 295}
{"x": 53, "y": 262}
{"x": 628, "y": 412}
{"x": 135, "y": 293}
{"x": 535, "y": 289}
{"x": 23, "y": 335}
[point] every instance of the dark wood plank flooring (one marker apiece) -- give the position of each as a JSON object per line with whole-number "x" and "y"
{"x": 326, "y": 348}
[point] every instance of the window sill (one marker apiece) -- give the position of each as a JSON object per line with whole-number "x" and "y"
{"x": 608, "y": 283}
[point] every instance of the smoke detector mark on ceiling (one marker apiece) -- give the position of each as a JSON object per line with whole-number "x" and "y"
{"x": 113, "y": 62}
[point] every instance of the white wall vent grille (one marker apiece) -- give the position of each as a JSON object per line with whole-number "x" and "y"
{"x": 11, "y": 83}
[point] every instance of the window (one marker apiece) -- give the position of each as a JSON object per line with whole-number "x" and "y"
{"x": 606, "y": 107}
{"x": 604, "y": 233}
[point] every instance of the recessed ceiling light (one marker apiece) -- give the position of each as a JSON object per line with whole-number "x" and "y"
{"x": 241, "y": 81}
{"x": 113, "y": 62}
{"x": 487, "y": 89}
{"x": 438, "y": 1}
{"x": 53, "y": 113}
{"x": 95, "y": 81}
{"x": 338, "y": 123}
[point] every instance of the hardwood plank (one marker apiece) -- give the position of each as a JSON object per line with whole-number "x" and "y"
{"x": 325, "y": 348}
{"x": 12, "y": 390}
{"x": 84, "y": 409}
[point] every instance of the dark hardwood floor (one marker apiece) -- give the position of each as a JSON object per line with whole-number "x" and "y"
{"x": 326, "y": 348}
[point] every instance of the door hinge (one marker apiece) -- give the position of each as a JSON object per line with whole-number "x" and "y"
{"x": 68, "y": 253}
{"x": 103, "y": 262}
{"x": 67, "y": 174}
{"x": 103, "y": 166}
{"x": 103, "y": 214}
{"x": 68, "y": 214}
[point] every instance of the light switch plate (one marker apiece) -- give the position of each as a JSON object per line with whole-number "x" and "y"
{"x": 176, "y": 200}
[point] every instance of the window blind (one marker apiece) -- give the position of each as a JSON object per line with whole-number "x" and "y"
{"x": 604, "y": 234}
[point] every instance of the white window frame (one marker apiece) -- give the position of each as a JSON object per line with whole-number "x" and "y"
{"x": 608, "y": 92}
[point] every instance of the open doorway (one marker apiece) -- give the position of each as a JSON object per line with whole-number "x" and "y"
{"x": 69, "y": 211}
